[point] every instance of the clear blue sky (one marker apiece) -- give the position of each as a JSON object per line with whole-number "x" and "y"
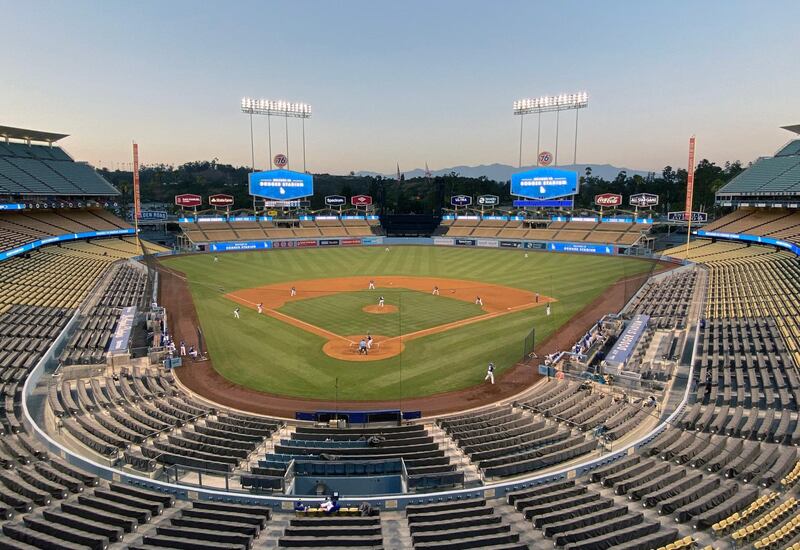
{"x": 410, "y": 82}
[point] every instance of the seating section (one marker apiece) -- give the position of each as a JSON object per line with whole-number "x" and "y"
{"x": 89, "y": 344}
{"x": 461, "y": 524}
{"x": 31, "y": 170}
{"x": 347, "y": 529}
{"x": 542, "y": 230}
{"x": 364, "y": 452}
{"x": 666, "y": 300}
{"x": 283, "y": 229}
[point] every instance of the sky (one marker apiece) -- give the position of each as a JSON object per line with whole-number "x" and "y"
{"x": 410, "y": 82}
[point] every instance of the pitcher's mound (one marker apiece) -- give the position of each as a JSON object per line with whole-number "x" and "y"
{"x": 347, "y": 348}
{"x": 387, "y": 308}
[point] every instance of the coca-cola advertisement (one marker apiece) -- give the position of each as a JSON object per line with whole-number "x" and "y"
{"x": 608, "y": 199}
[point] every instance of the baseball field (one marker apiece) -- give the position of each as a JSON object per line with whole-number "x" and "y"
{"x": 307, "y": 344}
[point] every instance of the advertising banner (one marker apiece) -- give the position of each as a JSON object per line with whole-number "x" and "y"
{"x": 443, "y": 241}
{"x": 488, "y": 200}
{"x": 624, "y": 346}
{"x": 335, "y": 200}
{"x": 544, "y": 183}
{"x": 239, "y": 245}
{"x": 308, "y": 243}
{"x": 12, "y": 206}
{"x": 360, "y": 200}
{"x": 282, "y": 244}
{"x": 220, "y": 200}
{"x": 152, "y": 215}
{"x": 64, "y": 238}
{"x": 510, "y": 244}
{"x": 371, "y": 240}
{"x": 582, "y": 248}
{"x": 605, "y": 200}
{"x": 535, "y": 246}
{"x": 329, "y": 242}
{"x": 680, "y": 216}
{"x": 487, "y": 243}
{"x": 460, "y": 200}
{"x": 350, "y": 242}
{"x": 643, "y": 200}
{"x": 751, "y": 239}
{"x": 188, "y": 200}
{"x": 281, "y": 184}
{"x": 465, "y": 242}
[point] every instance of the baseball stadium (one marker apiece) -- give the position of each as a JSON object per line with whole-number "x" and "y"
{"x": 285, "y": 377}
{"x": 266, "y": 355}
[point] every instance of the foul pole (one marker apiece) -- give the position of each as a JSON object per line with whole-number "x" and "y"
{"x": 137, "y": 203}
{"x": 689, "y": 193}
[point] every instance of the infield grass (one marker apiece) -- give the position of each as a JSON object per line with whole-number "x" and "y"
{"x": 267, "y": 354}
{"x": 342, "y": 313}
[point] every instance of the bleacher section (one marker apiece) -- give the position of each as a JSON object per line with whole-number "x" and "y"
{"x": 624, "y": 234}
{"x": 200, "y": 231}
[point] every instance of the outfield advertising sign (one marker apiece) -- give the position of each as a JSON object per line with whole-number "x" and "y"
{"x": 680, "y": 216}
{"x": 487, "y": 243}
{"x": 643, "y": 200}
{"x": 443, "y": 241}
{"x": 510, "y": 244}
{"x": 582, "y": 248}
{"x": 465, "y": 242}
{"x": 239, "y": 245}
{"x": 544, "y": 183}
{"x": 488, "y": 200}
{"x": 460, "y": 200}
{"x": 335, "y": 200}
{"x": 281, "y": 185}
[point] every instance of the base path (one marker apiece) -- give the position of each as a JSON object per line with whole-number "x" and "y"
{"x": 496, "y": 300}
{"x": 201, "y": 378}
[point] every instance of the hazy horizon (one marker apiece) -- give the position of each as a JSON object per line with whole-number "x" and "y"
{"x": 409, "y": 83}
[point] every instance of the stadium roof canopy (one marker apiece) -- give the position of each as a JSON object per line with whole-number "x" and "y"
{"x": 8, "y": 132}
{"x": 769, "y": 181}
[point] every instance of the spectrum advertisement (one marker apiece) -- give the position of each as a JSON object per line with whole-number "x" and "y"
{"x": 544, "y": 183}
{"x": 281, "y": 184}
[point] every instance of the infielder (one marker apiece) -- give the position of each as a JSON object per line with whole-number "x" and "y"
{"x": 293, "y": 292}
{"x": 548, "y": 310}
{"x": 435, "y": 291}
{"x": 371, "y": 285}
{"x": 380, "y": 301}
{"x": 478, "y": 301}
{"x": 236, "y": 312}
{"x": 490, "y": 373}
{"x": 369, "y": 342}
{"x": 260, "y": 307}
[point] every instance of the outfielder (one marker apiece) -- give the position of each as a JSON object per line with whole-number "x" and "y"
{"x": 380, "y": 301}
{"x": 293, "y": 292}
{"x": 236, "y": 312}
{"x": 548, "y": 310}
{"x": 371, "y": 285}
{"x": 490, "y": 373}
{"x": 435, "y": 291}
{"x": 260, "y": 307}
{"x": 478, "y": 301}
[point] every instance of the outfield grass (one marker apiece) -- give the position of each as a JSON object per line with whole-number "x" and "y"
{"x": 342, "y": 313}
{"x": 269, "y": 355}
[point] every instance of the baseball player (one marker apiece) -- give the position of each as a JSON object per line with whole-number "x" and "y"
{"x": 293, "y": 292}
{"x": 526, "y": 254}
{"x": 380, "y": 301}
{"x": 490, "y": 373}
{"x": 537, "y": 297}
{"x": 371, "y": 285}
{"x": 236, "y": 312}
{"x": 435, "y": 291}
{"x": 478, "y": 301}
{"x": 216, "y": 259}
{"x": 260, "y": 308}
{"x": 548, "y": 310}
{"x": 369, "y": 342}
{"x": 183, "y": 348}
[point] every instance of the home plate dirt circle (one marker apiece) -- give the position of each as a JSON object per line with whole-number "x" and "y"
{"x": 346, "y": 348}
{"x": 374, "y": 308}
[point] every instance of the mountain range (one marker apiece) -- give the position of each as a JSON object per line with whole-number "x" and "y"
{"x": 502, "y": 172}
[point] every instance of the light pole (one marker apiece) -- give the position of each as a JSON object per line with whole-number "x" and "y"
{"x": 546, "y": 104}
{"x": 270, "y": 108}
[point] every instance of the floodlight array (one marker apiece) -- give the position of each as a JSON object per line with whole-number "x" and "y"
{"x": 275, "y": 107}
{"x": 551, "y": 103}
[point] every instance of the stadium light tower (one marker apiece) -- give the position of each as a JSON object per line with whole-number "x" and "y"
{"x": 270, "y": 108}
{"x": 546, "y": 104}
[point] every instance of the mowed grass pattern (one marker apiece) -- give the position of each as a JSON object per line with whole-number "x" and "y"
{"x": 342, "y": 313}
{"x": 269, "y": 355}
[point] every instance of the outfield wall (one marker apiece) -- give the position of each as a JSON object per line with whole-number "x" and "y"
{"x": 463, "y": 242}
